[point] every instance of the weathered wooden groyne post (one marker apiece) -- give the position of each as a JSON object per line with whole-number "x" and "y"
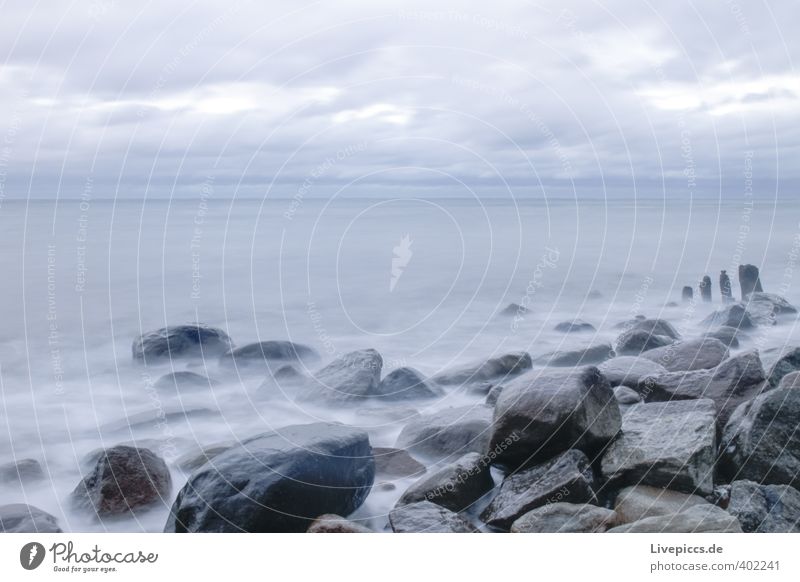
{"x": 725, "y": 287}
{"x": 705, "y": 289}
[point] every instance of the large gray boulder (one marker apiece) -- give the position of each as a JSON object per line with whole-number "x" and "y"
{"x": 23, "y": 518}
{"x": 182, "y": 382}
{"x": 765, "y": 508}
{"x": 696, "y": 519}
{"x": 456, "y": 486}
{"x": 501, "y": 368}
{"x": 636, "y": 341}
{"x": 779, "y": 362}
{"x": 699, "y": 354}
{"x": 642, "y": 501}
{"x": 566, "y": 478}
{"x": 263, "y": 357}
{"x": 734, "y": 315}
{"x": 583, "y": 356}
{"x": 629, "y": 370}
{"x": 124, "y": 480}
{"x": 278, "y": 482}
{"x": 565, "y": 518}
{"x": 351, "y": 377}
{"x": 659, "y": 327}
{"x": 406, "y": 384}
{"x": 736, "y": 380}
{"x": 451, "y": 432}
{"x": 194, "y": 340}
{"x": 427, "y": 517}
{"x": 729, "y": 336}
{"x": 665, "y": 444}
{"x": 331, "y": 523}
{"x": 548, "y": 412}
{"x": 766, "y": 308}
{"x": 761, "y": 441}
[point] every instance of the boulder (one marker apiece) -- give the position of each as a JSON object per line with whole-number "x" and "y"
{"x": 656, "y": 327}
{"x": 493, "y": 395}
{"x": 779, "y": 362}
{"x": 391, "y": 462}
{"x": 427, "y": 517}
{"x": 765, "y": 508}
{"x": 183, "y": 381}
{"x": 456, "y": 486}
{"x": 734, "y": 381}
{"x": 695, "y": 519}
{"x": 351, "y": 377}
{"x": 545, "y": 413}
{"x": 729, "y": 336}
{"x": 22, "y": 518}
{"x": 501, "y": 368}
{"x": 199, "y": 456}
{"x": 629, "y": 370}
{"x": 577, "y": 325}
{"x": 406, "y": 383}
{"x": 761, "y": 441}
{"x": 565, "y": 518}
{"x": 641, "y": 501}
{"x": 124, "y": 480}
{"x": 263, "y": 357}
{"x": 278, "y": 482}
{"x": 331, "y": 523}
{"x": 449, "y": 432}
{"x": 514, "y": 309}
{"x": 566, "y": 478}
{"x": 22, "y": 472}
{"x": 629, "y": 323}
{"x": 194, "y": 340}
{"x": 626, "y": 396}
{"x": 766, "y": 308}
{"x": 733, "y": 315}
{"x": 699, "y": 354}
{"x": 585, "y": 356}
{"x": 636, "y": 341}
{"x": 665, "y": 444}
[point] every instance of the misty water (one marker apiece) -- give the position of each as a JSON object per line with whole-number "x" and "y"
{"x": 421, "y": 281}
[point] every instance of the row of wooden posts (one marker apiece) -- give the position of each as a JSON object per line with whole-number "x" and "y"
{"x": 749, "y": 282}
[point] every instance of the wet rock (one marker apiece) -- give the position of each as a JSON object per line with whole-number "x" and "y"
{"x": 699, "y": 354}
{"x": 780, "y": 362}
{"x": 266, "y": 356}
{"x": 641, "y": 501}
{"x": 765, "y": 508}
{"x": 331, "y": 523}
{"x": 493, "y": 395}
{"x": 22, "y": 472}
{"x": 761, "y": 441}
{"x": 665, "y": 444}
{"x": 278, "y": 482}
{"x": 629, "y": 370}
{"x": 390, "y": 462}
{"x": 659, "y": 327}
{"x": 585, "y": 356}
{"x": 687, "y": 294}
{"x": 725, "y": 287}
{"x": 733, "y": 315}
{"x": 124, "y": 480}
{"x": 696, "y": 519}
{"x": 351, "y": 377}
{"x": 629, "y": 323}
{"x": 565, "y": 518}
{"x": 766, "y": 308}
{"x": 22, "y": 518}
{"x": 635, "y": 342}
{"x": 183, "y": 381}
{"x": 406, "y": 383}
{"x": 501, "y": 368}
{"x": 626, "y": 396}
{"x": 427, "y": 517}
{"x": 180, "y": 341}
{"x": 449, "y": 432}
{"x": 545, "y": 413}
{"x": 577, "y": 325}
{"x": 199, "y": 456}
{"x": 705, "y": 289}
{"x": 566, "y": 478}
{"x": 729, "y": 336}
{"x": 749, "y": 280}
{"x": 734, "y": 381}
{"x": 514, "y": 309}
{"x": 456, "y": 486}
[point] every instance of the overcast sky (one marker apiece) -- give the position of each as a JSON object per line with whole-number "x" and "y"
{"x": 618, "y": 97}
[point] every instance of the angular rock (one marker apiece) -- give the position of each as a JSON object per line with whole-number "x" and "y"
{"x": 629, "y": 323}
{"x": 22, "y": 518}
{"x": 696, "y": 519}
{"x": 427, "y": 517}
{"x": 734, "y": 381}
{"x": 266, "y": 356}
{"x": 545, "y": 413}
{"x": 124, "y": 480}
{"x": 761, "y": 441}
{"x": 456, "y": 486}
{"x": 665, "y": 444}
{"x": 779, "y": 362}
{"x": 501, "y": 368}
{"x": 586, "y": 356}
{"x": 565, "y": 518}
{"x": 636, "y": 341}
{"x": 729, "y": 336}
{"x": 626, "y": 396}
{"x": 198, "y": 457}
{"x": 733, "y": 315}
{"x": 566, "y": 478}
{"x": 629, "y": 370}
{"x": 449, "y": 432}
{"x": 493, "y": 395}
{"x": 765, "y": 508}
{"x": 577, "y": 325}
{"x": 351, "y": 377}
{"x": 278, "y": 482}
{"x": 699, "y": 354}
{"x": 514, "y": 309}
{"x": 391, "y": 462}
{"x": 331, "y": 523}
{"x": 183, "y": 381}
{"x": 22, "y": 472}
{"x": 656, "y": 327}
{"x": 194, "y": 340}
{"x": 406, "y": 383}
{"x": 641, "y": 501}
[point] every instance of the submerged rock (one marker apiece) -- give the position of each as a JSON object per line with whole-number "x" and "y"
{"x": 729, "y": 336}
{"x": 698, "y": 354}
{"x": 586, "y": 356}
{"x": 456, "y": 486}
{"x": 427, "y": 517}
{"x": 514, "y": 309}
{"x": 266, "y": 356}
{"x": 765, "y": 508}
{"x": 636, "y": 341}
{"x": 406, "y": 383}
{"x": 696, "y": 519}
{"x": 23, "y": 518}
{"x": 22, "y": 472}
{"x": 577, "y": 325}
{"x": 545, "y": 413}
{"x": 278, "y": 482}
{"x": 199, "y": 456}
{"x": 331, "y": 523}
{"x": 503, "y": 367}
{"x": 659, "y": 327}
{"x": 626, "y": 396}
{"x": 390, "y": 462}
{"x": 183, "y": 381}
{"x": 642, "y": 501}
{"x": 629, "y": 370}
{"x": 351, "y": 377}
{"x": 124, "y": 480}
{"x": 565, "y": 518}
{"x": 194, "y": 340}
{"x": 449, "y": 432}
{"x": 566, "y": 478}
{"x": 766, "y": 308}
{"x": 734, "y": 315}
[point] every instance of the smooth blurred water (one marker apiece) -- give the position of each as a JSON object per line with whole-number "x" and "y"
{"x": 82, "y": 278}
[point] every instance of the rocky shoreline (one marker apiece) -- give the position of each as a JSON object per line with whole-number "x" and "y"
{"x": 653, "y": 432}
